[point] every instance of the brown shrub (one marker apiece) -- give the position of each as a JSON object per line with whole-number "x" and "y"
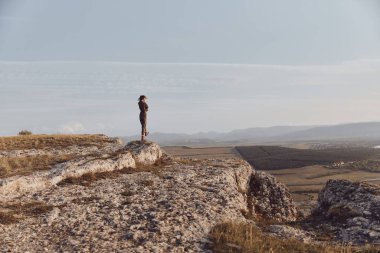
{"x": 24, "y": 132}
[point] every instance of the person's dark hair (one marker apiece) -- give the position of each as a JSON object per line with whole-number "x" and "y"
{"x": 142, "y": 97}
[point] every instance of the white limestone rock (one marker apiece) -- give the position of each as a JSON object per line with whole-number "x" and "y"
{"x": 170, "y": 211}
{"x": 16, "y": 185}
{"x": 144, "y": 153}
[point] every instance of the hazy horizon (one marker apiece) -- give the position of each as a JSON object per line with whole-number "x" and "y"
{"x": 79, "y": 66}
{"x": 184, "y": 98}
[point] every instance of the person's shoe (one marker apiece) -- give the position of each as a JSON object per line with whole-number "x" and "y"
{"x": 142, "y": 138}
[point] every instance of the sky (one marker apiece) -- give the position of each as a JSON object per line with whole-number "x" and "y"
{"x": 78, "y": 66}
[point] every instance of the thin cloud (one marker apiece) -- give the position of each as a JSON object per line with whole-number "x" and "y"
{"x": 72, "y": 128}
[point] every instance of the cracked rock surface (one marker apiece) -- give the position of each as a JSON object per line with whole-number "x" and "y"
{"x": 141, "y": 212}
{"x": 351, "y": 209}
{"x": 166, "y": 207}
{"x": 271, "y": 199}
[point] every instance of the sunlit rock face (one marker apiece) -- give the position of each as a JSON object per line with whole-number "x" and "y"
{"x": 144, "y": 153}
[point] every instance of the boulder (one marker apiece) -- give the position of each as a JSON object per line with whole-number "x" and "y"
{"x": 270, "y": 199}
{"x": 353, "y": 208}
{"x": 144, "y": 153}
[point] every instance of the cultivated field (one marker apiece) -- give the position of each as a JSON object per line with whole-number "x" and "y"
{"x": 275, "y": 157}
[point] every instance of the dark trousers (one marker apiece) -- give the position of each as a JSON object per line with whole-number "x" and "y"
{"x": 143, "y": 123}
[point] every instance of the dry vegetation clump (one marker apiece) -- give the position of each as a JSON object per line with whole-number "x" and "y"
{"x": 14, "y": 212}
{"x": 57, "y": 141}
{"x": 246, "y": 238}
{"x": 24, "y": 132}
{"x": 7, "y": 218}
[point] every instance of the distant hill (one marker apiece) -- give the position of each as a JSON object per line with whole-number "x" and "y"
{"x": 215, "y": 138}
{"x": 370, "y": 131}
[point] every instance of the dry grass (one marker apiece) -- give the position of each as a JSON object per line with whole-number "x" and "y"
{"x": 12, "y": 213}
{"x": 7, "y": 218}
{"x": 57, "y": 141}
{"x": 24, "y": 165}
{"x": 246, "y": 238}
{"x": 11, "y": 166}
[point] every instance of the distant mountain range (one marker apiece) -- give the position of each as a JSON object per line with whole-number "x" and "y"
{"x": 363, "y": 131}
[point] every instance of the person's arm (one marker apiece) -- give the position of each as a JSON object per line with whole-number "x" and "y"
{"x": 146, "y": 107}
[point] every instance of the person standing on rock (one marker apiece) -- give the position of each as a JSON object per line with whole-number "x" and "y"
{"x": 143, "y": 116}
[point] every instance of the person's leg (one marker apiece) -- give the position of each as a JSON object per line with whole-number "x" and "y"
{"x": 143, "y": 126}
{"x": 146, "y": 122}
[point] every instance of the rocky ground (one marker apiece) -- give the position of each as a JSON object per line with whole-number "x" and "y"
{"x": 168, "y": 207}
{"x": 135, "y": 198}
{"x": 349, "y": 210}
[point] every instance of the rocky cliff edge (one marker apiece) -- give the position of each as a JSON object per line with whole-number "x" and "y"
{"x": 143, "y": 201}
